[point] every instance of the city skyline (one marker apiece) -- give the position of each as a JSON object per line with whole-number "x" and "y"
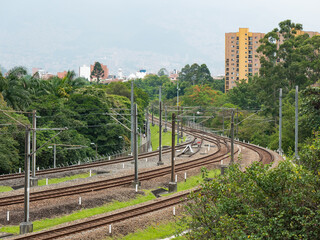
{"x": 64, "y": 35}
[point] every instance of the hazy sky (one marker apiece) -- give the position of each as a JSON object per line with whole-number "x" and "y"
{"x": 58, "y": 35}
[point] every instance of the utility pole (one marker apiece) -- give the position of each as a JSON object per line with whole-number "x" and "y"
{"x": 181, "y": 121}
{"x": 172, "y": 183}
{"x": 237, "y": 120}
{"x": 135, "y": 149}
{"x": 165, "y": 123}
{"x": 160, "y": 129}
{"x": 54, "y": 155}
{"x": 280, "y": 121}
{"x": 296, "y": 126}
{"x": 232, "y": 137}
{"x": 132, "y": 102}
{"x": 34, "y": 180}
{"x": 26, "y": 226}
{"x": 178, "y": 134}
{"x": 223, "y": 121}
{"x": 152, "y": 116}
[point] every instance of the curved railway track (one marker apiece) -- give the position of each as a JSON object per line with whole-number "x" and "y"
{"x": 222, "y": 153}
{"x": 110, "y": 219}
{"x": 89, "y": 165}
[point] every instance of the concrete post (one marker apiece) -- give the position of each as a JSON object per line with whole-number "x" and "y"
{"x": 26, "y": 226}
{"x": 34, "y": 180}
{"x": 135, "y": 149}
{"x": 54, "y": 155}
{"x": 160, "y": 134}
{"x": 172, "y": 183}
{"x": 132, "y": 102}
{"x": 280, "y": 122}
{"x": 232, "y": 137}
{"x": 296, "y": 126}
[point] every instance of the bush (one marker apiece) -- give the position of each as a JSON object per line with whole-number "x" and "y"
{"x": 262, "y": 203}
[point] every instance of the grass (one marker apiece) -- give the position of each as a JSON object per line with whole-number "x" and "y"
{"x": 42, "y": 182}
{"x": 84, "y": 213}
{"x": 64, "y": 179}
{"x": 166, "y": 137}
{"x": 5, "y": 189}
{"x": 155, "y": 231}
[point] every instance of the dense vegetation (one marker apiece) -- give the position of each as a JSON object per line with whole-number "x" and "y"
{"x": 262, "y": 203}
{"x": 69, "y": 102}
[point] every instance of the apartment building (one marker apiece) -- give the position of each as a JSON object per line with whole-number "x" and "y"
{"x": 241, "y": 57}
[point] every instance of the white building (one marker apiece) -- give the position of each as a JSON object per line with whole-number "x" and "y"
{"x": 84, "y": 72}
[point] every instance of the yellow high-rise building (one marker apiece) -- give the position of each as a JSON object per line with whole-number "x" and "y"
{"x": 241, "y": 57}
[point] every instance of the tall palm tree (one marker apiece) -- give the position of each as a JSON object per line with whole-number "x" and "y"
{"x": 12, "y": 88}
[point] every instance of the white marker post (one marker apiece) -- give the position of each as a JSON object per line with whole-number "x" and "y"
{"x": 176, "y": 178}
{"x": 122, "y": 165}
{"x": 47, "y": 181}
{"x": 174, "y": 211}
{"x": 79, "y": 200}
{"x": 19, "y": 170}
{"x": 90, "y": 172}
{"x": 185, "y": 176}
{"x": 110, "y": 228}
{"x": 136, "y": 187}
{"x": 8, "y": 216}
{"x": 146, "y": 159}
{"x": 109, "y": 158}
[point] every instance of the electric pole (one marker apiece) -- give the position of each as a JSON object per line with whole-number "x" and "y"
{"x": 172, "y": 183}
{"x": 26, "y": 226}
{"x": 181, "y": 121}
{"x": 296, "y": 126}
{"x": 54, "y": 155}
{"x": 280, "y": 121}
{"x": 152, "y": 116}
{"x": 178, "y": 134}
{"x": 34, "y": 180}
{"x": 132, "y": 102}
{"x": 135, "y": 149}
{"x": 160, "y": 129}
{"x": 165, "y": 123}
{"x": 232, "y": 137}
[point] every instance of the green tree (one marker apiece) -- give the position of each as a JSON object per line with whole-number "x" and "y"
{"x": 195, "y": 74}
{"x": 260, "y": 203}
{"x": 97, "y": 71}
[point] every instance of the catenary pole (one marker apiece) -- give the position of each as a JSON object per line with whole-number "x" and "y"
{"x": 232, "y": 137}
{"x": 34, "y": 142}
{"x": 296, "y": 125}
{"x": 135, "y": 149}
{"x": 132, "y": 118}
{"x": 280, "y": 121}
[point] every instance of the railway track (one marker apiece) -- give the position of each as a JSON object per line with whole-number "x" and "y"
{"x": 222, "y": 153}
{"x": 89, "y": 165}
{"x": 110, "y": 219}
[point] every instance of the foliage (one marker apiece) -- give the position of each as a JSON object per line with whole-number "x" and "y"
{"x": 261, "y": 203}
{"x": 201, "y": 95}
{"x": 195, "y": 75}
{"x": 97, "y": 71}
{"x": 310, "y": 153}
